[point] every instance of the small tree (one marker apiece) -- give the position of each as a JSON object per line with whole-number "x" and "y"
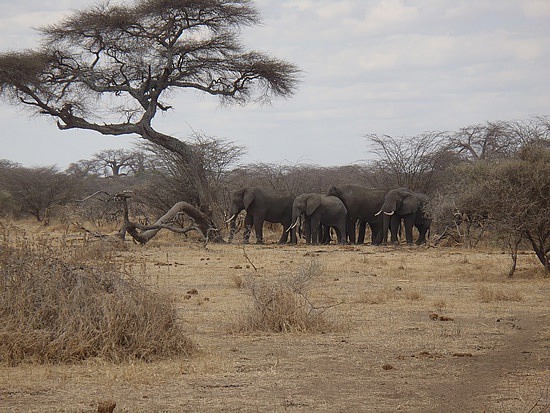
{"x": 513, "y": 196}
{"x": 34, "y": 190}
{"x": 110, "y": 68}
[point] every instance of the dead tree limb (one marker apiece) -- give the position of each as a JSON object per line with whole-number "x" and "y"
{"x": 144, "y": 233}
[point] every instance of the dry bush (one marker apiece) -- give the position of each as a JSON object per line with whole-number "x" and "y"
{"x": 52, "y": 312}
{"x": 284, "y": 305}
{"x": 489, "y": 295}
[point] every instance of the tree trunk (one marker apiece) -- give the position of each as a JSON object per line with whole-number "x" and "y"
{"x": 540, "y": 248}
{"x": 513, "y": 244}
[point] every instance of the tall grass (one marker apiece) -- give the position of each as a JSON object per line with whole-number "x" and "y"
{"x": 55, "y": 311}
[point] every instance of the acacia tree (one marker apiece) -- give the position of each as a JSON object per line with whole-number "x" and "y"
{"x": 111, "y": 68}
{"x": 118, "y": 162}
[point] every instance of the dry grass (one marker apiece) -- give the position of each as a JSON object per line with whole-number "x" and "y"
{"x": 429, "y": 345}
{"x": 491, "y": 294}
{"x": 386, "y": 294}
{"x": 284, "y": 304}
{"x": 53, "y": 311}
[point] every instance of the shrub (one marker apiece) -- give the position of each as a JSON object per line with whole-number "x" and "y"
{"x": 283, "y": 305}
{"x": 52, "y": 312}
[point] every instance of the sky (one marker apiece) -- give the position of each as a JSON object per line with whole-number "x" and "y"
{"x": 393, "y": 67}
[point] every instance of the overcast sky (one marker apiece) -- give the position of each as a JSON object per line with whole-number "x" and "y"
{"x": 397, "y": 67}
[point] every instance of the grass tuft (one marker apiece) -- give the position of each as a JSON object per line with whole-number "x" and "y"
{"x": 52, "y": 311}
{"x": 489, "y": 295}
{"x": 284, "y": 305}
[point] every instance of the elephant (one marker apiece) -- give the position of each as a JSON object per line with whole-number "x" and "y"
{"x": 261, "y": 205}
{"x": 362, "y": 205}
{"x": 404, "y": 205}
{"x": 320, "y": 211}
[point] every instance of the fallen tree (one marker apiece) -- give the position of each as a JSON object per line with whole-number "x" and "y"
{"x": 200, "y": 222}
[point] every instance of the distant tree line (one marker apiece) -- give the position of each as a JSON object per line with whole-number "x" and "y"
{"x": 491, "y": 179}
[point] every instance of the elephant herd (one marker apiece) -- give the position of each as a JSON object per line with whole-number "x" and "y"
{"x": 342, "y": 208}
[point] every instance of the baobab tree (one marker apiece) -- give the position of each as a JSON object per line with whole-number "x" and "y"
{"x": 111, "y": 68}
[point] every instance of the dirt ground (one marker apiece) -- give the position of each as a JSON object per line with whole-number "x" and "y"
{"x": 415, "y": 329}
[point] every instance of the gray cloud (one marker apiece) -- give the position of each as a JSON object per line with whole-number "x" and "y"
{"x": 391, "y": 66}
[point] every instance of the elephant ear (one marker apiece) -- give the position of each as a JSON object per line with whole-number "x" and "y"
{"x": 409, "y": 205}
{"x": 248, "y": 197}
{"x": 312, "y": 203}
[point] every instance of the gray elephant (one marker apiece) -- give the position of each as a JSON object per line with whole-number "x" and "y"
{"x": 410, "y": 207}
{"x": 362, "y": 205}
{"x": 260, "y": 205}
{"x": 320, "y": 211}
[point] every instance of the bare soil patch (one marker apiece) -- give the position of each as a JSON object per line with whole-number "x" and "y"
{"x": 416, "y": 329}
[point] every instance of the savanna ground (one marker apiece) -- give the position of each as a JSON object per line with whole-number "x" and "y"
{"x": 413, "y": 329}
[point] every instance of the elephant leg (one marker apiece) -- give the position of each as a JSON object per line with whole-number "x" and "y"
{"x": 324, "y": 234}
{"x": 293, "y": 237}
{"x": 350, "y": 225}
{"x": 341, "y": 233}
{"x": 422, "y": 231}
{"x": 421, "y": 238}
{"x": 362, "y": 232}
{"x": 408, "y": 223}
{"x": 248, "y": 222}
{"x": 284, "y": 235}
{"x": 386, "y": 221}
{"x": 375, "y": 234}
{"x": 307, "y": 230}
{"x": 395, "y": 223}
{"x": 314, "y": 224}
{"x": 259, "y": 229}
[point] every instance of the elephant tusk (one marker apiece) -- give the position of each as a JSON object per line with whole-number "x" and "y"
{"x": 389, "y": 213}
{"x": 231, "y": 219}
{"x": 378, "y": 213}
{"x": 292, "y": 226}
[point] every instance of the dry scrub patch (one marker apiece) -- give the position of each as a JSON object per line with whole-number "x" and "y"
{"x": 52, "y": 311}
{"x": 387, "y": 353}
{"x": 285, "y": 304}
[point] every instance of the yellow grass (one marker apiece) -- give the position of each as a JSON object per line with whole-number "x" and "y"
{"x": 415, "y": 329}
